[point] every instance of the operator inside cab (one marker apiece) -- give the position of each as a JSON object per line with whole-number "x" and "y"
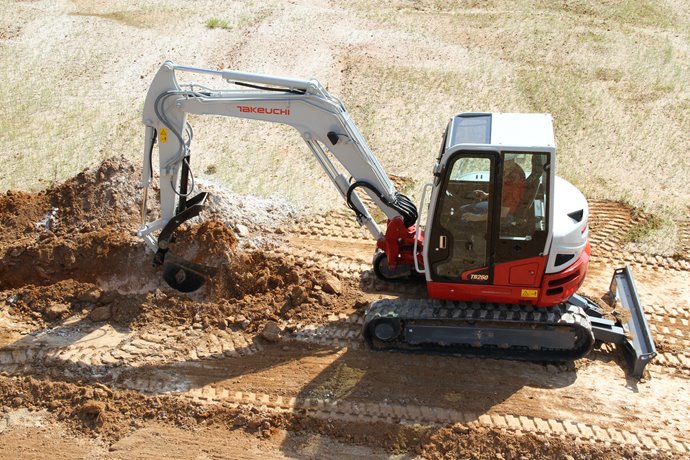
{"x": 466, "y": 211}
{"x": 512, "y": 193}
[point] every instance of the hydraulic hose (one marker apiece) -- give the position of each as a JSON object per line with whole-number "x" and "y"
{"x": 402, "y": 204}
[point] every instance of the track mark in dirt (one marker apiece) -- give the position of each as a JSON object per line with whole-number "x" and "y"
{"x": 642, "y": 262}
{"x": 264, "y": 414}
{"x": 609, "y": 224}
{"x": 336, "y": 224}
{"x": 358, "y": 411}
{"x": 684, "y": 238}
{"x": 344, "y": 266}
{"x": 140, "y": 367}
{"x": 430, "y": 416}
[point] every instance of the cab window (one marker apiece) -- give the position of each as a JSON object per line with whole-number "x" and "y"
{"x": 523, "y": 220}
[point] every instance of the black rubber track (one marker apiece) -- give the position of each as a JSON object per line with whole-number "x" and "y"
{"x": 476, "y": 318}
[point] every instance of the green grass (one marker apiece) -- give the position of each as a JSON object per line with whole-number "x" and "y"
{"x": 243, "y": 20}
{"x": 642, "y": 230}
{"x": 217, "y": 23}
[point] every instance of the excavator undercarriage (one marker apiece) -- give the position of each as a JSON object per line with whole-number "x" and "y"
{"x": 563, "y": 332}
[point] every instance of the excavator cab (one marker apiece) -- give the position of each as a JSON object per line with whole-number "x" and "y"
{"x": 489, "y": 220}
{"x": 485, "y": 215}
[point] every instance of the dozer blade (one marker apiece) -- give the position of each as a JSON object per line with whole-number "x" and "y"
{"x": 629, "y": 331}
{"x": 638, "y": 347}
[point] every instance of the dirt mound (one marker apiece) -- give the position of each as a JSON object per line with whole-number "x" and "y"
{"x": 103, "y": 196}
{"x": 71, "y": 249}
{"x": 81, "y": 229}
{"x": 113, "y": 413}
{"x": 258, "y": 285}
{"x": 252, "y": 289}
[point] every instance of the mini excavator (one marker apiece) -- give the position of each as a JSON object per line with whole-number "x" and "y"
{"x": 503, "y": 246}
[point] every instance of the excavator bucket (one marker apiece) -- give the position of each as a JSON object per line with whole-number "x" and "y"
{"x": 638, "y": 347}
{"x": 185, "y": 276}
{"x": 180, "y": 274}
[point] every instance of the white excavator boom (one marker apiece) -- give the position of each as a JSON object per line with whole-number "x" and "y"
{"x": 321, "y": 119}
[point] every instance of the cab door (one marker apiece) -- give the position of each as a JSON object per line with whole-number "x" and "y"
{"x": 460, "y": 244}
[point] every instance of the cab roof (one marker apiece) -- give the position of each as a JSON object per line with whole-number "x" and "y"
{"x": 533, "y": 130}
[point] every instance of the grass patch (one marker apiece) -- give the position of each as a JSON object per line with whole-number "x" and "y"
{"x": 217, "y": 23}
{"x": 630, "y": 12}
{"x": 643, "y": 230}
{"x": 558, "y": 91}
{"x": 49, "y": 135}
{"x": 141, "y": 18}
{"x": 130, "y": 18}
{"x": 243, "y": 20}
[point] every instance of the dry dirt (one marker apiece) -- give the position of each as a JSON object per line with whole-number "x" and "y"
{"x": 100, "y": 359}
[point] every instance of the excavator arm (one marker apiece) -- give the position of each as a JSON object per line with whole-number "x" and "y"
{"x": 320, "y": 118}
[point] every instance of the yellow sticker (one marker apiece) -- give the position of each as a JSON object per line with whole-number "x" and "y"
{"x": 531, "y": 293}
{"x": 163, "y": 135}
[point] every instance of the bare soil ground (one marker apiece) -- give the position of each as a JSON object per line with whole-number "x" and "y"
{"x": 99, "y": 358}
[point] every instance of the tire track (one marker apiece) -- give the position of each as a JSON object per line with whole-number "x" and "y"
{"x": 343, "y": 331}
{"x": 92, "y": 349}
{"x": 610, "y": 222}
{"x": 397, "y": 414}
{"x": 673, "y": 330}
{"x": 639, "y": 261}
{"x": 684, "y": 238}
{"x": 346, "y": 267}
{"x": 364, "y": 412}
{"x": 338, "y": 224}
{"x": 673, "y": 363}
{"x": 674, "y": 315}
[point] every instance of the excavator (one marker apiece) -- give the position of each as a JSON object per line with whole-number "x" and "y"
{"x": 503, "y": 246}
